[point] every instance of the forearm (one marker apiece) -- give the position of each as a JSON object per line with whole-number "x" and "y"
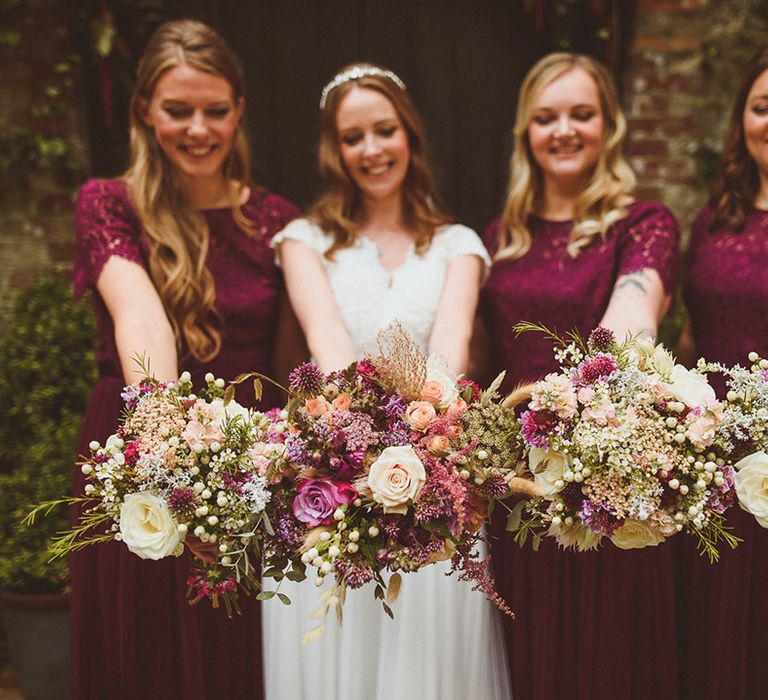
{"x": 138, "y": 338}
{"x": 331, "y": 347}
{"x": 451, "y": 342}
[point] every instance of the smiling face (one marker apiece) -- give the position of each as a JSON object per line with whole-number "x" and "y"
{"x": 373, "y": 144}
{"x": 755, "y": 121}
{"x": 566, "y": 129}
{"x": 194, "y": 117}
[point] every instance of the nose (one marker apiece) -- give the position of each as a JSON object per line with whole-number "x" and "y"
{"x": 563, "y": 126}
{"x": 197, "y": 125}
{"x": 371, "y": 145}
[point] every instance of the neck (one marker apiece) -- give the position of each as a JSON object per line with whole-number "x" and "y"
{"x": 383, "y": 214}
{"x": 761, "y": 198}
{"x": 558, "y": 201}
{"x": 209, "y": 193}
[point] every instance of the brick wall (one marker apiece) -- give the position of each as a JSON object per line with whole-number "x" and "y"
{"x": 685, "y": 58}
{"x": 36, "y": 73}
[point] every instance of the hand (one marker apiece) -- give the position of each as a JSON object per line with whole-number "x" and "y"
{"x": 205, "y": 551}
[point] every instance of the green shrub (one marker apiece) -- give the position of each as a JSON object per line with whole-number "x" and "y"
{"x": 47, "y": 369}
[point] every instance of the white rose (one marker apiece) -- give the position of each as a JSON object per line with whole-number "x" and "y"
{"x": 547, "y": 467}
{"x": 751, "y": 482}
{"x": 634, "y": 534}
{"x": 148, "y": 528}
{"x": 438, "y": 371}
{"x": 689, "y": 387}
{"x": 230, "y": 411}
{"x": 396, "y": 477}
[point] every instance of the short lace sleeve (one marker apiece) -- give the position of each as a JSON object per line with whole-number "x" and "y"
{"x": 105, "y": 225}
{"x": 462, "y": 240}
{"x": 649, "y": 238}
{"x": 306, "y": 232}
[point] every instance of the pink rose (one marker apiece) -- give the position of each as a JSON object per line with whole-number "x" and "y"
{"x": 420, "y": 414}
{"x": 317, "y": 499}
{"x": 432, "y": 392}
{"x": 457, "y": 408}
{"x": 317, "y": 406}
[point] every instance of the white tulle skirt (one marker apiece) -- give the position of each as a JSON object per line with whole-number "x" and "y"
{"x": 445, "y": 643}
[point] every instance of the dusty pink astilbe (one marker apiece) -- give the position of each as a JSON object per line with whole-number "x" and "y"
{"x": 401, "y": 364}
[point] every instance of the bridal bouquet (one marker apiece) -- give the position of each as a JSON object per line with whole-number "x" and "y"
{"x": 180, "y": 465}
{"x": 623, "y": 444}
{"x": 744, "y": 431}
{"x": 387, "y": 466}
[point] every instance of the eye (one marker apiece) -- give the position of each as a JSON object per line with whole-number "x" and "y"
{"x": 387, "y": 131}
{"x": 760, "y": 108}
{"x": 178, "y": 112}
{"x": 583, "y": 115}
{"x": 351, "y": 139}
{"x": 543, "y": 119}
{"x": 217, "y": 112}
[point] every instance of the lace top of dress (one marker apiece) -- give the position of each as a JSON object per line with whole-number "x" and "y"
{"x": 726, "y": 289}
{"x": 564, "y": 293}
{"x": 246, "y": 278}
{"x": 371, "y": 297}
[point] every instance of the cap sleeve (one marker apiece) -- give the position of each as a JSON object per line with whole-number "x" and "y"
{"x": 105, "y": 225}
{"x": 462, "y": 240}
{"x": 305, "y": 232}
{"x": 649, "y": 238}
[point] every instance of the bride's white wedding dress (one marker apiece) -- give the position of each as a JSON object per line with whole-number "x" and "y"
{"x": 445, "y": 642}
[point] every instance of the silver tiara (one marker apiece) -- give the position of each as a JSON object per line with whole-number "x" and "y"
{"x": 356, "y": 73}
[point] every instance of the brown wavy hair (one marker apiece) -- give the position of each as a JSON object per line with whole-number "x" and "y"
{"x": 734, "y": 195}
{"x": 335, "y": 209}
{"x": 599, "y": 205}
{"x": 178, "y": 236}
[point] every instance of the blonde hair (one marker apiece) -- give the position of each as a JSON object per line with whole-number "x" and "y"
{"x": 178, "y": 236}
{"x": 335, "y": 209}
{"x": 600, "y": 204}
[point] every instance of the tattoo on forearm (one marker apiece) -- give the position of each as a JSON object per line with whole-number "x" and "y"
{"x": 634, "y": 280}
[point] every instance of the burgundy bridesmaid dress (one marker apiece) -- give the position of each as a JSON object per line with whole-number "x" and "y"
{"x": 134, "y": 636}
{"x": 723, "y": 607}
{"x": 594, "y": 625}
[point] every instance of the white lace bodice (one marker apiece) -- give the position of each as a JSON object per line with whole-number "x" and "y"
{"x": 371, "y": 297}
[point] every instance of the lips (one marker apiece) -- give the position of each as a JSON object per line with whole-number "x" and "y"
{"x": 375, "y": 170}
{"x": 198, "y": 151}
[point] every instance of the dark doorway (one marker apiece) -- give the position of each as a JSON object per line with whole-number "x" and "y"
{"x": 462, "y": 61}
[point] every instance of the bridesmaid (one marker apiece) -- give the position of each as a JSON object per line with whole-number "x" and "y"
{"x": 724, "y": 607}
{"x": 573, "y": 250}
{"x": 373, "y": 249}
{"x": 176, "y": 253}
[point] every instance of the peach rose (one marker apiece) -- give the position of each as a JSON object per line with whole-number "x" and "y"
{"x": 420, "y": 414}
{"x": 438, "y": 444}
{"x": 317, "y": 406}
{"x": 341, "y": 402}
{"x": 454, "y": 431}
{"x": 432, "y": 391}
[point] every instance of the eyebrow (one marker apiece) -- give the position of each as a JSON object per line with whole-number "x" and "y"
{"x": 584, "y": 105}
{"x": 380, "y": 122}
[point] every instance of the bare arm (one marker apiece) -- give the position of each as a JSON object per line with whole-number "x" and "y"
{"x": 637, "y": 304}
{"x": 315, "y": 306}
{"x": 141, "y": 325}
{"x": 455, "y": 315}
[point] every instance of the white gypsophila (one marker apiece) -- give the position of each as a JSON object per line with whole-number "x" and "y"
{"x": 257, "y": 494}
{"x": 151, "y": 471}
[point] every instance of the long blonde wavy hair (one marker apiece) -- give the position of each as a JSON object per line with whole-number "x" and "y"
{"x": 336, "y": 208}
{"x": 601, "y": 203}
{"x": 178, "y": 236}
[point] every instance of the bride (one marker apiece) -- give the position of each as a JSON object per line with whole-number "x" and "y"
{"x": 374, "y": 249}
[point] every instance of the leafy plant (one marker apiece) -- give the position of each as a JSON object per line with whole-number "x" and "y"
{"x": 47, "y": 369}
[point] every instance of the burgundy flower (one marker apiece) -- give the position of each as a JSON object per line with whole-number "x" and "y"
{"x": 601, "y": 339}
{"x": 598, "y": 367}
{"x": 536, "y": 426}
{"x": 316, "y": 499}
